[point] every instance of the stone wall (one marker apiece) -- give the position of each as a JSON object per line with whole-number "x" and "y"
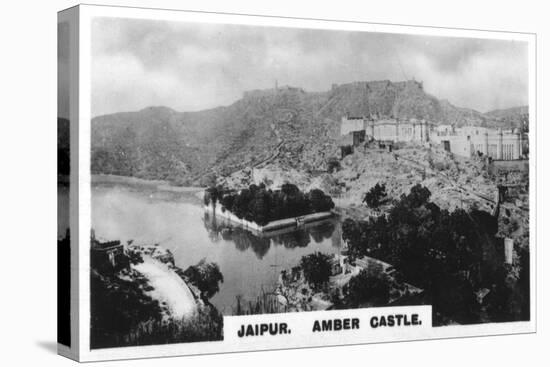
{"x": 387, "y": 129}
{"x": 495, "y": 143}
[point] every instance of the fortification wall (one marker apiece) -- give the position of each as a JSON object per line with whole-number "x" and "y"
{"x": 271, "y": 226}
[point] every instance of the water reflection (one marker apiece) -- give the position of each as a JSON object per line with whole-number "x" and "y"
{"x": 250, "y": 262}
{"x": 260, "y": 242}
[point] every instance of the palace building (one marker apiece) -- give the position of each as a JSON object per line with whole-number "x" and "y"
{"x": 466, "y": 141}
{"x": 463, "y": 141}
{"x": 387, "y": 129}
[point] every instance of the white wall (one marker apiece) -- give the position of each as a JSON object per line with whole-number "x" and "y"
{"x": 29, "y": 36}
{"x": 351, "y": 125}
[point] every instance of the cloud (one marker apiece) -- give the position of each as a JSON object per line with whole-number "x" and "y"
{"x": 192, "y": 66}
{"x": 483, "y": 79}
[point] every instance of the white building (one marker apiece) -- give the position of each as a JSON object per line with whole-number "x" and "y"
{"x": 351, "y": 124}
{"x": 465, "y": 141}
{"x": 470, "y": 140}
{"x": 387, "y": 129}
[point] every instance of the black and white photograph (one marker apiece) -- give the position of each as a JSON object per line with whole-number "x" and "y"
{"x": 63, "y": 184}
{"x": 251, "y": 169}
{"x": 288, "y": 183}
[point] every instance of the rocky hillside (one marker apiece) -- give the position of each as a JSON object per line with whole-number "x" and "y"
{"x": 454, "y": 182}
{"x": 294, "y": 127}
{"x": 515, "y": 116}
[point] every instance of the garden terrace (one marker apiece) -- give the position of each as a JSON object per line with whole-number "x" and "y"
{"x": 261, "y": 205}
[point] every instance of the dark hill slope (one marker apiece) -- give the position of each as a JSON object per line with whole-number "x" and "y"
{"x": 511, "y": 117}
{"x": 400, "y": 99}
{"x": 295, "y": 127}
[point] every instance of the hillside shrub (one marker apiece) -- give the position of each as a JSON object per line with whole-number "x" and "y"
{"x": 316, "y": 268}
{"x": 375, "y": 196}
{"x": 366, "y": 287}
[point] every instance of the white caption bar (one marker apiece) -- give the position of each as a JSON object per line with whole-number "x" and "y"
{"x": 328, "y": 327}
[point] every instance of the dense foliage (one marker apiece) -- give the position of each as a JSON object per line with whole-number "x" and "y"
{"x": 366, "y": 287}
{"x": 451, "y": 255}
{"x": 316, "y": 268}
{"x": 375, "y": 195}
{"x": 261, "y": 205}
{"x": 206, "y": 276}
{"x": 122, "y": 313}
{"x": 117, "y": 307}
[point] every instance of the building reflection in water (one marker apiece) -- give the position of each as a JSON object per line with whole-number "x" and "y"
{"x": 260, "y": 242}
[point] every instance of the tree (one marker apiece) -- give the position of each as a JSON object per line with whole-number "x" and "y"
{"x": 213, "y": 194}
{"x": 316, "y": 268}
{"x": 117, "y": 306}
{"x": 289, "y": 189}
{"x": 277, "y": 201}
{"x": 259, "y": 207}
{"x": 293, "y": 201}
{"x": 365, "y": 238}
{"x": 319, "y": 202}
{"x": 227, "y": 202}
{"x": 367, "y": 287}
{"x": 375, "y": 195}
{"x": 418, "y": 196}
{"x": 448, "y": 254}
{"x": 205, "y": 276}
{"x": 240, "y": 204}
{"x": 351, "y": 234}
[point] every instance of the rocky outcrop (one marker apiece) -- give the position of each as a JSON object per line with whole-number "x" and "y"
{"x": 163, "y": 260}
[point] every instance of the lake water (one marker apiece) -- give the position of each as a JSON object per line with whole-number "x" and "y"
{"x": 176, "y": 220}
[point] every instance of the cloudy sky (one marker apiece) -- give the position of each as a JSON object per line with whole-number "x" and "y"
{"x": 192, "y": 66}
